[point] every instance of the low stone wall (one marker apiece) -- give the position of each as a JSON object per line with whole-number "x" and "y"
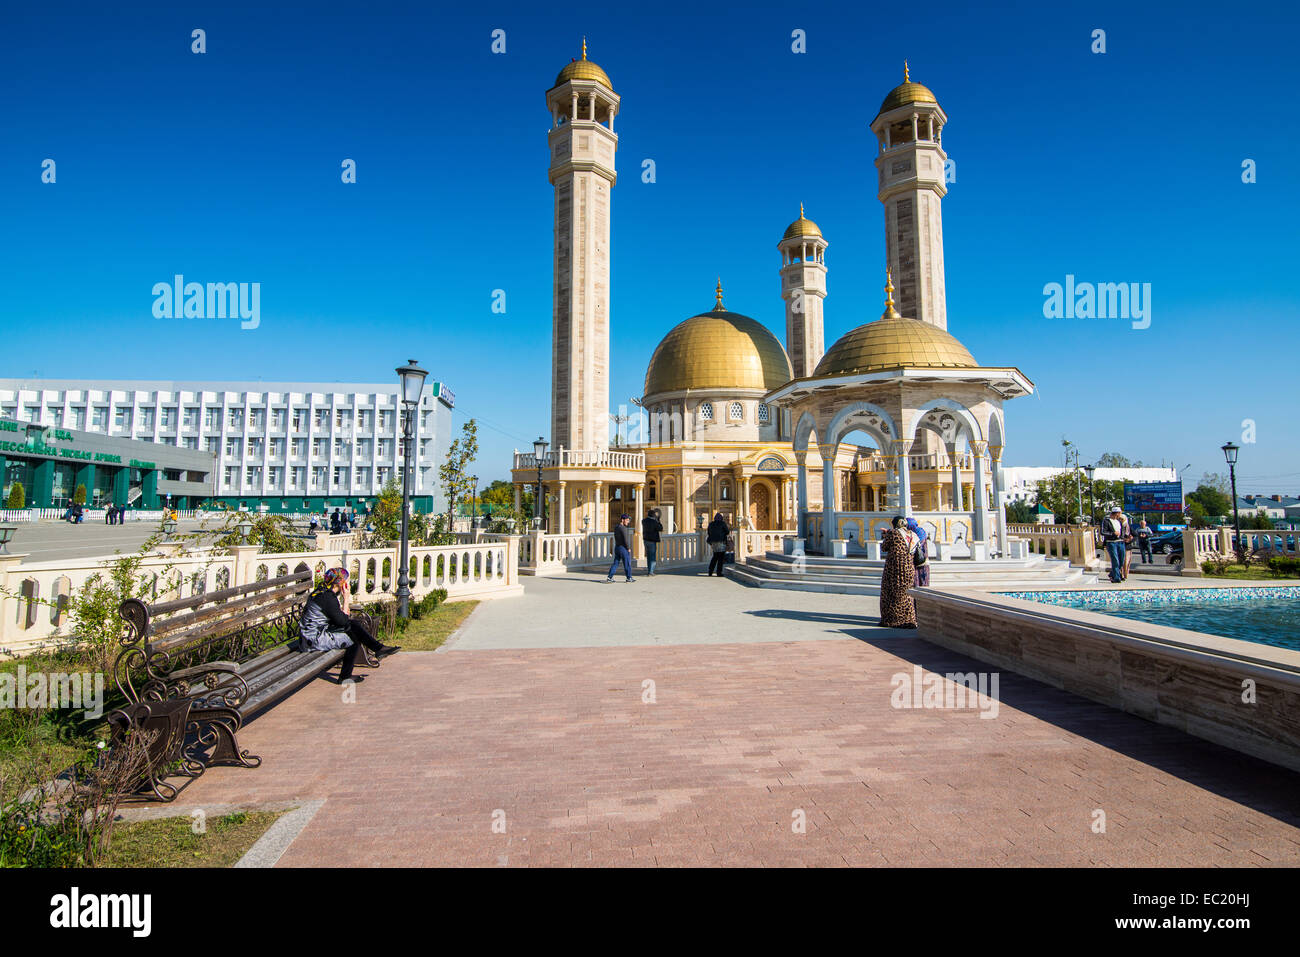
{"x": 1184, "y": 679}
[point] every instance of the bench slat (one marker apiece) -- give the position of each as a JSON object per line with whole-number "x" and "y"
{"x": 235, "y": 591}
{"x": 314, "y": 664}
{"x": 162, "y": 629}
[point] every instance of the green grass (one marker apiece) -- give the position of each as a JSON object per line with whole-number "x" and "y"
{"x": 1253, "y": 573}
{"x": 433, "y": 629}
{"x": 171, "y": 841}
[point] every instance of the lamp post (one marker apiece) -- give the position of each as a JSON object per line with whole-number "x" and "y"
{"x": 1230, "y": 453}
{"x": 539, "y": 452}
{"x": 411, "y": 380}
{"x": 244, "y": 528}
{"x": 1092, "y": 501}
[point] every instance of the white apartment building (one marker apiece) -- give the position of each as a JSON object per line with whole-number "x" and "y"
{"x": 294, "y": 446}
{"x": 1020, "y": 483}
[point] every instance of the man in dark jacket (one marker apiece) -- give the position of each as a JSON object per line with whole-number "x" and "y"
{"x": 326, "y": 624}
{"x": 622, "y": 548}
{"x": 650, "y": 529}
{"x": 717, "y": 537}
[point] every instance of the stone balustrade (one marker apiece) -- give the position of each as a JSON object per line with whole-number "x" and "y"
{"x": 758, "y": 542}
{"x": 583, "y": 458}
{"x": 91, "y": 514}
{"x": 545, "y": 554}
{"x": 934, "y": 461}
{"x": 33, "y": 597}
{"x": 1075, "y": 542}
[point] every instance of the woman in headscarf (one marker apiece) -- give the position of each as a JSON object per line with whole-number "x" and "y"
{"x": 325, "y": 624}
{"x": 896, "y": 608}
{"x": 920, "y": 555}
{"x": 717, "y": 539}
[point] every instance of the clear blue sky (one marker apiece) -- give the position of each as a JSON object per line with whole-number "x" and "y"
{"x": 1124, "y": 166}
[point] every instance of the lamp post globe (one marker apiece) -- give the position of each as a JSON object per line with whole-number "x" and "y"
{"x": 410, "y": 378}
{"x": 539, "y": 453}
{"x": 1230, "y": 454}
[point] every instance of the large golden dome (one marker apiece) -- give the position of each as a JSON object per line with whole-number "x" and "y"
{"x": 803, "y": 226}
{"x": 905, "y": 93}
{"x": 583, "y": 69}
{"x": 718, "y": 350}
{"x": 892, "y": 342}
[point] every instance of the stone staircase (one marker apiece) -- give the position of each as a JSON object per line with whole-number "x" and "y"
{"x": 860, "y": 576}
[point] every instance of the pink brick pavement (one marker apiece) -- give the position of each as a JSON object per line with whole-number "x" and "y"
{"x": 741, "y": 736}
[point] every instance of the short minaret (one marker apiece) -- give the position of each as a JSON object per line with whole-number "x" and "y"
{"x": 803, "y": 287}
{"x": 911, "y": 159}
{"x": 582, "y": 144}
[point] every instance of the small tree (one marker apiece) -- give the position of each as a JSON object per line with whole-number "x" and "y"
{"x": 452, "y": 473}
{"x": 17, "y": 496}
{"x": 79, "y": 496}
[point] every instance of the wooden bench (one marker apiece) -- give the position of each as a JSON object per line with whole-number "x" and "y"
{"x": 195, "y": 669}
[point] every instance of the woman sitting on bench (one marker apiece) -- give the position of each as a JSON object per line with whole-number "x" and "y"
{"x": 325, "y": 624}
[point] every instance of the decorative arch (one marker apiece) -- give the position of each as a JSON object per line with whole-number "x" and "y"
{"x": 961, "y": 420}
{"x": 997, "y": 430}
{"x": 807, "y": 425}
{"x": 865, "y": 416}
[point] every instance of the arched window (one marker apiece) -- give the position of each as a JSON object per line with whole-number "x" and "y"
{"x": 651, "y": 494}
{"x": 737, "y": 412}
{"x": 706, "y": 410}
{"x": 724, "y": 490}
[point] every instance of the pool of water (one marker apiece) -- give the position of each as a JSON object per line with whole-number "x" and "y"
{"x": 1267, "y": 615}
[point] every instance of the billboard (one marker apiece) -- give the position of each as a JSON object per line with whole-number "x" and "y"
{"x": 1153, "y": 497}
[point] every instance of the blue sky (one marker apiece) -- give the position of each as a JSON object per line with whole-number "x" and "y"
{"x": 1115, "y": 167}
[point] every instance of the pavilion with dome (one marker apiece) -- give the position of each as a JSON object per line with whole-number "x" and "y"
{"x": 828, "y": 445}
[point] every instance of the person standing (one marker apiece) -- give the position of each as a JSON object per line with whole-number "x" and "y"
{"x": 650, "y": 529}
{"x": 110, "y": 513}
{"x": 622, "y": 547}
{"x": 121, "y": 514}
{"x": 1143, "y": 534}
{"x": 717, "y": 537}
{"x": 921, "y": 554}
{"x": 899, "y": 543}
{"x": 1114, "y": 532}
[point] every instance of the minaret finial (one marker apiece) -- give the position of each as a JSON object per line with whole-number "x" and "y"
{"x": 906, "y": 75}
{"x": 717, "y": 295}
{"x": 801, "y": 210}
{"x": 890, "y": 312}
{"x": 584, "y": 48}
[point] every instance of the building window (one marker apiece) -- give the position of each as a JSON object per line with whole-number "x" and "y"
{"x": 146, "y": 418}
{"x": 253, "y": 478}
{"x": 385, "y": 420}
{"x": 99, "y": 418}
{"x": 232, "y": 448}
{"x": 737, "y": 412}
{"x": 190, "y": 442}
{"x": 275, "y": 477}
{"x": 191, "y": 417}
{"x": 340, "y": 477}
{"x": 319, "y": 478}
{"x": 364, "y": 418}
{"x": 230, "y": 477}
{"x": 706, "y": 410}
{"x": 724, "y": 490}
{"x": 299, "y": 448}
{"x": 342, "y": 449}
{"x": 210, "y": 418}
{"x": 121, "y": 418}
{"x": 652, "y": 491}
{"x": 343, "y": 418}
{"x": 235, "y": 418}
{"x": 277, "y": 418}
{"x": 254, "y": 448}
{"x": 319, "y": 448}
{"x": 277, "y": 448}
{"x": 299, "y": 419}
{"x": 764, "y": 414}
{"x": 322, "y": 419}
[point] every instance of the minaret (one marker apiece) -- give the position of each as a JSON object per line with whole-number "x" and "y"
{"x": 909, "y": 129}
{"x": 803, "y": 287}
{"x": 582, "y": 144}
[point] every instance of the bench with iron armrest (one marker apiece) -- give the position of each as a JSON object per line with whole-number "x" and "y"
{"x": 196, "y": 668}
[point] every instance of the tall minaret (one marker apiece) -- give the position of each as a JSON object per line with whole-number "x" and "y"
{"x": 909, "y": 129}
{"x": 803, "y": 287}
{"x": 582, "y": 143}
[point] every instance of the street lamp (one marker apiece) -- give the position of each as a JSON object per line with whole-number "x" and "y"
{"x": 411, "y": 379}
{"x": 1230, "y": 453}
{"x": 1092, "y": 502}
{"x": 539, "y": 452}
{"x": 244, "y": 528}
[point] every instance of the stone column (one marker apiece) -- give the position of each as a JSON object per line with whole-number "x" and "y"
{"x": 598, "y": 505}
{"x": 519, "y": 502}
{"x": 995, "y": 466}
{"x": 829, "y": 497}
{"x": 639, "y": 550}
{"x": 957, "y": 504}
{"x": 559, "y": 508}
{"x": 744, "y": 484}
{"x": 801, "y": 494}
{"x": 980, "y": 503}
{"x": 901, "y": 449}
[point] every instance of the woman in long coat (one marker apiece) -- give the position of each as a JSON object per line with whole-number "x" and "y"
{"x": 896, "y": 608}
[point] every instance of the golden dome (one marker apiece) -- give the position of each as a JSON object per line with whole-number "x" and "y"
{"x": 583, "y": 69}
{"x": 718, "y": 350}
{"x": 907, "y": 92}
{"x": 802, "y": 227}
{"x": 892, "y": 342}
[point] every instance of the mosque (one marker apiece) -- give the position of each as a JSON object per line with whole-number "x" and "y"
{"x": 896, "y": 417}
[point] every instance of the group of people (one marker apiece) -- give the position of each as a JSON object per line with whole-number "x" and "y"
{"x": 340, "y": 522}
{"x": 114, "y": 514}
{"x": 907, "y": 566}
{"x": 1118, "y": 537}
{"x": 718, "y": 537}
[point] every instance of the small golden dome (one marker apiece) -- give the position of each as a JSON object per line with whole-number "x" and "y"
{"x": 892, "y": 342}
{"x": 583, "y": 69}
{"x": 718, "y": 350}
{"x": 802, "y": 227}
{"x": 907, "y": 92}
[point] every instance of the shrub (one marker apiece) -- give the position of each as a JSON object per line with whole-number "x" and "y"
{"x": 79, "y": 496}
{"x": 429, "y": 603}
{"x": 17, "y": 496}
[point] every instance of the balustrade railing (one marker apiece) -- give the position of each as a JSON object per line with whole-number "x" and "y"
{"x": 582, "y": 458}
{"x": 917, "y": 463}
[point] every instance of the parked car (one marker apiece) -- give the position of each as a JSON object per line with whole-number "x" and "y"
{"x": 1165, "y": 540}
{"x": 1175, "y": 558}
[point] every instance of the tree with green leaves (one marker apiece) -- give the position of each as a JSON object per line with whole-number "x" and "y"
{"x": 79, "y": 496}
{"x": 1211, "y": 500}
{"x": 17, "y": 496}
{"x": 1020, "y": 512}
{"x": 453, "y": 473}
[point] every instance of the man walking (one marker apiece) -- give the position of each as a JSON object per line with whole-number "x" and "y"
{"x": 650, "y": 529}
{"x": 110, "y": 513}
{"x": 1143, "y": 534}
{"x": 622, "y": 547}
{"x": 1114, "y": 532}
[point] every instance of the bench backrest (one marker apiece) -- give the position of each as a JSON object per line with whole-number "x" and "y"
{"x": 233, "y": 624}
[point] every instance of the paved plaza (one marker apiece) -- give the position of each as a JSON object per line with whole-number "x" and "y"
{"x": 537, "y": 738}
{"x": 62, "y": 541}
